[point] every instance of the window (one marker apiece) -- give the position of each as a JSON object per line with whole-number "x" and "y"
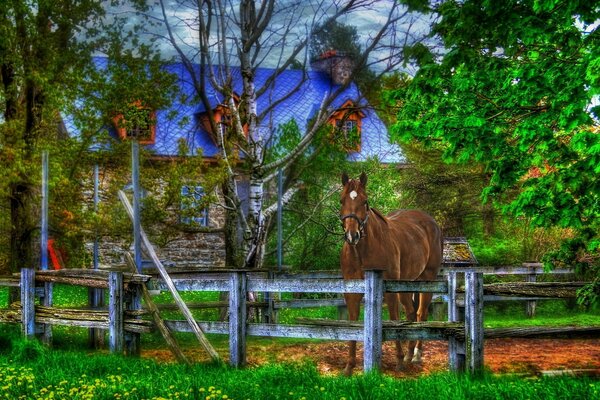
{"x": 138, "y": 122}
{"x": 347, "y": 124}
{"x": 349, "y": 134}
{"x": 191, "y": 202}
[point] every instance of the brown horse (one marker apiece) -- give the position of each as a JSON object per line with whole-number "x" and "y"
{"x": 405, "y": 244}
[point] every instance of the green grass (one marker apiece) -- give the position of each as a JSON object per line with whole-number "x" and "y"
{"x": 28, "y": 370}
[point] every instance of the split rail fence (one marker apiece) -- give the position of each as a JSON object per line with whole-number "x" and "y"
{"x": 124, "y": 321}
{"x": 123, "y": 318}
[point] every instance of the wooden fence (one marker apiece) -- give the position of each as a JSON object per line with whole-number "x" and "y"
{"x": 124, "y": 322}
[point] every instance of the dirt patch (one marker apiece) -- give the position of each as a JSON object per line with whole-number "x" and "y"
{"x": 528, "y": 356}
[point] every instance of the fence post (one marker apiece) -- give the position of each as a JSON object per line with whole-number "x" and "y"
{"x": 47, "y": 301}
{"x": 373, "y": 328}
{"x": 456, "y": 347}
{"x": 530, "y": 307}
{"x": 237, "y": 318}
{"x": 134, "y": 303}
{"x": 28, "y": 301}
{"x": 115, "y": 312}
{"x": 474, "y": 321}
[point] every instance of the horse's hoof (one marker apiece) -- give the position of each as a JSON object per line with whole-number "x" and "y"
{"x": 348, "y": 370}
{"x": 407, "y": 358}
{"x": 417, "y": 357}
{"x": 401, "y": 366}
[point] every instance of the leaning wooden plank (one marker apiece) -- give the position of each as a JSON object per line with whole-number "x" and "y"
{"x": 160, "y": 323}
{"x": 163, "y": 273}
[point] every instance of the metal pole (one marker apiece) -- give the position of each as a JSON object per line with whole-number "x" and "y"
{"x": 96, "y": 203}
{"x": 135, "y": 178}
{"x": 44, "y": 227}
{"x": 279, "y": 219}
{"x": 96, "y": 295}
{"x": 46, "y": 298}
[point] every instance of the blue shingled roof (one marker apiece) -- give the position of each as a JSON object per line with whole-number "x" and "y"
{"x": 301, "y": 106}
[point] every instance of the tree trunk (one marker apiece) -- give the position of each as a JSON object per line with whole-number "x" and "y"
{"x": 23, "y": 225}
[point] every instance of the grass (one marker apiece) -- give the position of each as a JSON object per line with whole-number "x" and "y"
{"x": 28, "y": 370}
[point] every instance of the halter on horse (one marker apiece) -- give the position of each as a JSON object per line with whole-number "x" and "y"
{"x": 405, "y": 244}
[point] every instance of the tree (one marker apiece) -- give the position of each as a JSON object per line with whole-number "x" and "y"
{"x": 244, "y": 36}
{"x": 343, "y": 38}
{"x": 40, "y": 60}
{"x": 515, "y": 91}
{"x": 47, "y": 68}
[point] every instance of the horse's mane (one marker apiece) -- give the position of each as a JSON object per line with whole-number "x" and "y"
{"x": 379, "y": 214}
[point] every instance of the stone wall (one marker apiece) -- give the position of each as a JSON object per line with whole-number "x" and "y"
{"x": 184, "y": 249}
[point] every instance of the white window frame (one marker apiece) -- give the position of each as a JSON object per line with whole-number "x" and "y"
{"x": 195, "y": 197}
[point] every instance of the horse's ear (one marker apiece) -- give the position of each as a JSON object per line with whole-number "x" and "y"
{"x": 345, "y": 178}
{"x": 363, "y": 179}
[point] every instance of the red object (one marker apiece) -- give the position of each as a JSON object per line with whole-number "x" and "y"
{"x": 55, "y": 256}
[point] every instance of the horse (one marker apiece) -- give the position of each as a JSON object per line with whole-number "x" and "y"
{"x": 405, "y": 244}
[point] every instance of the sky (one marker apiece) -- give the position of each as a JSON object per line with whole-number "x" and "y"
{"x": 291, "y": 16}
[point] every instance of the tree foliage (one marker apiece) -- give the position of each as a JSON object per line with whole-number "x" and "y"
{"x": 515, "y": 92}
{"x": 48, "y": 73}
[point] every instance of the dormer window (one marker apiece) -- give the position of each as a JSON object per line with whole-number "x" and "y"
{"x": 347, "y": 121}
{"x": 222, "y": 117}
{"x": 136, "y": 122}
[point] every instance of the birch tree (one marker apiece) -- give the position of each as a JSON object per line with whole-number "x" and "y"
{"x": 247, "y": 35}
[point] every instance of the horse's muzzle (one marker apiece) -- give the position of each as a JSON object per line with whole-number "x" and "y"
{"x": 352, "y": 238}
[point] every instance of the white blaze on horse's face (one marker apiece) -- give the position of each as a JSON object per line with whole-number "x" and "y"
{"x": 353, "y": 214}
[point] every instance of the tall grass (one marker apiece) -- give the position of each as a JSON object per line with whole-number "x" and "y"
{"x": 28, "y": 370}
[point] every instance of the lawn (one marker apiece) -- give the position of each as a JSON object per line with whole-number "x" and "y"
{"x": 28, "y": 370}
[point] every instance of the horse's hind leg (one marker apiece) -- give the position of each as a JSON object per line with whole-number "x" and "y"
{"x": 353, "y": 304}
{"x": 409, "y": 309}
{"x": 394, "y": 309}
{"x": 422, "y": 315}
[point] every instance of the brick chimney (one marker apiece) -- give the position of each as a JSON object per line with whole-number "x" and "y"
{"x": 336, "y": 64}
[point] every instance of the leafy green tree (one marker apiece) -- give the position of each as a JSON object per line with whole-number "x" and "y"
{"x": 47, "y": 72}
{"x": 515, "y": 92}
{"x": 41, "y": 60}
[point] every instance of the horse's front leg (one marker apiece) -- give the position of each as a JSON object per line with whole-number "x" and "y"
{"x": 353, "y": 304}
{"x": 394, "y": 309}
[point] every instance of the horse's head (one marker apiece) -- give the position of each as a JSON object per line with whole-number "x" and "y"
{"x": 354, "y": 211}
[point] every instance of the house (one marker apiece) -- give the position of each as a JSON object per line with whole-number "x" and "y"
{"x": 298, "y": 96}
